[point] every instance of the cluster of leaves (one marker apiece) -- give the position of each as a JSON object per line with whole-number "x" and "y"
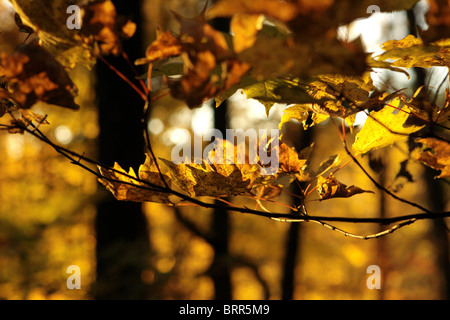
{"x": 283, "y": 56}
{"x": 277, "y": 52}
{"x": 38, "y": 71}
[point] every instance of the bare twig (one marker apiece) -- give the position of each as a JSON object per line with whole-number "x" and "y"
{"x": 403, "y": 220}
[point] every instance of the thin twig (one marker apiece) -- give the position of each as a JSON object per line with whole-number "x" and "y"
{"x": 76, "y": 159}
{"x": 349, "y": 234}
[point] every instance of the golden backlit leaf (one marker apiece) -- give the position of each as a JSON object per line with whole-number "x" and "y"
{"x": 436, "y": 154}
{"x": 412, "y": 52}
{"x": 203, "y": 180}
{"x": 245, "y": 28}
{"x": 122, "y": 185}
{"x": 330, "y": 187}
{"x": 280, "y": 10}
{"x": 289, "y": 160}
{"x": 385, "y": 127}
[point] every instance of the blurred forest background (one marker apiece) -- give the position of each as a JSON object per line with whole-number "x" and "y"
{"x": 49, "y": 208}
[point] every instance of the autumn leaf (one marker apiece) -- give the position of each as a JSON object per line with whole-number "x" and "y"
{"x": 165, "y": 45}
{"x": 280, "y": 10}
{"x": 277, "y": 90}
{"x": 438, "y": 22}
{"x": 101, "y": 29}
{"x": 330, "y": 187}
{"x": 385, "y": 127}
{"x": 209, "y": 66}
{"x": 245, "y": 28}
{"x": 289, "y": 160}
{"x": 125, "y": 186}
{"x": 412, "y": 52}
{"x": 32, "y": 74}
{"x": 202, "y": 180}
{"x": 101, "y": 24}
{"x": 331, "y": 163}
{"x": 435, "y": 154}
{"x": 48, "y": 18}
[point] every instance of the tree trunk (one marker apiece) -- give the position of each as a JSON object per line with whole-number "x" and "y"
{"x": 293, "y": 235}
{"x": 436, "y": 198}
{"x": 122, "y": 237}
{"x": 220, "y": 225}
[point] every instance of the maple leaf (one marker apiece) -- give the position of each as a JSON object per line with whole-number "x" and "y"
{"x": 48, "y": 18}
{"x": 332, "y": 162}
{"x": 32, "y": 74}
{"x": 125, "y": 187}
{"x": 209, "y": 65}
{"x": 100, "y": 25}
{"x": 436, "y": 154}
{"x": 301, "y": 113}
{"x": 289, "y": 160}
{"x": 385, "y": 127}
{"x": 277, "y": 90}
{"x": 412, "y": 52}
{"x": 203, "y": 180}
{"x": 330, "y": 187}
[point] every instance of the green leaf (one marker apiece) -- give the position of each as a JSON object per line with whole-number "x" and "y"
{"x": 274, "y": 91}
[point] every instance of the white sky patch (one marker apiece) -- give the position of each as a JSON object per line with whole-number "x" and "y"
{"x": 202, "y": 119}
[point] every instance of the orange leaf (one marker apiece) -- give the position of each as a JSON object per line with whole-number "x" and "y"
{"x": 331, "y": 188}
{"x": 436, "y": 155}
{"x": 32, "y": 74}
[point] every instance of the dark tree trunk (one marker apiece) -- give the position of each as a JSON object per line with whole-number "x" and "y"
{"x": 220, "y": 225}
{"x": 292, "y": 243}
{"x": 435, "y": 195}
{"x": 122, "y": 237}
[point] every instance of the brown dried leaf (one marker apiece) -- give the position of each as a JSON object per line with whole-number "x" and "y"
{"x": 32, "y": 74}
{"x": 102, "y": 24}
{"x": 164, "y": 46}
{"x": 436, "y": 155}
{"x": 330, "y": 187}
{"x": 203, "y": 180}
{"x": 122, "y": 185}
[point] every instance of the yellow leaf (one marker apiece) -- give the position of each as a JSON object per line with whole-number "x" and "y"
{"x": 280, "y": 10}
{"x": 245, "y": 27}
{"x": 385, "y": 127}
{"x": 125, "y": 188}
{"x": 412, "y": 52}
{"x": 289, "y": 160}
